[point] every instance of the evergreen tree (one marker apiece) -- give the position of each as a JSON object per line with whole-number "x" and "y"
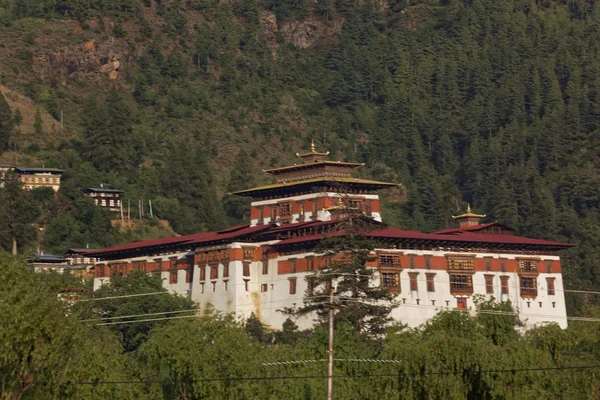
{"x": 6, "y": 123}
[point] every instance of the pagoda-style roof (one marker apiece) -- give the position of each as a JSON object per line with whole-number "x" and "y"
{"x": 314, "y": 173}
{"x": 312, "y": 165}
{"x": 309, "y": 185}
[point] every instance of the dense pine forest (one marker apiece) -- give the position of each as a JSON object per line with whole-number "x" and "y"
{"x": 495, "y": 103}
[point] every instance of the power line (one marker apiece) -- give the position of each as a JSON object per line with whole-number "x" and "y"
{"x": 126, "y": 296}
{"x": 147, "y": 320}
{"x": 137, "y": 315}
{"x": 396, "y": 374}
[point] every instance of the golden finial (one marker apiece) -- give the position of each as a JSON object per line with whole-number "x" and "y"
{"x": 469, "y": 214}
{"x": 312, "y": 146}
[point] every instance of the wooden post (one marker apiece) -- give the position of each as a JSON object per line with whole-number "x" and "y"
{"x": 330, "y": 352}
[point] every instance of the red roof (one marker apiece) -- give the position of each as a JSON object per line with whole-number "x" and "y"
{"x": 242, "y": 231}
{"x": 472, "y": 228}
{"x": 464, "y": 237}
{"x": 193, "y": 239}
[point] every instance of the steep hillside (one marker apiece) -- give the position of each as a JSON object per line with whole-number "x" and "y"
{"x": 480, "y": 101}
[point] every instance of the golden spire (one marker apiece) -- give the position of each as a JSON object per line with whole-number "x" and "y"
{"x": 469, "y": 214}
{"x": 312, "y": 152}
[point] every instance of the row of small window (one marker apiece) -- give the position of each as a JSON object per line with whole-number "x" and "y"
{"x": 35, "y": 179}
{"x": 284, "y": 210}
{"x": 464, "y": 283}
{"x": 460, "y": 263}
{"x": 224, "y": 254}
{"x": 110, "y": 203}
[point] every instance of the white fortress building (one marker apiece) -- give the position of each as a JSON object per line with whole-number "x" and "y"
{"x": 263, "y": 267}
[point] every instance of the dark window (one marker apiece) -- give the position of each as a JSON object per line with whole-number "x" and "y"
{"x": 412, "y": 261}
{"x": 173, "y": 263}
{"x": 549, "y": 267}
{"x": 310, "y": 285}
{"x": 273, "y": 213}
{"x": 390, "y": 280}
{"x": 427, "y": 262}
{"x": 293, "y": 286}
{"x": 249, "y": 253}
{"x": 528, "y": 286}
{"x": 246, "y": 269}
{"x": 527, "y": 265}
{"x": 504, "y": 284}
{"x": 189, "y": 275}
{"x": 550, "y": 282}
{"x": 460, "y": 264}
{"x": 430, "y": 282}
{"x": 173, "y": 277}
{"x": 489, "y": 284}
{"x": 503, "y": 266}
{"x": 488, "y": 264}
{"x": 214, "y": 272}
{"x": 265, "y": 268}
{"x": 285, "y": 210}
{"x": 263, "y": 287}
{"x": 292, "y": 265}
{"x": 315, "y": 208}
{"x": 461, "y": 284}
{"x": 261, "y": 215}
{"x": 413, "y": 281}
{"x": 389, "y": 260}
{"x": 202, "y": 273}
{"x": 226, "y": 270}
{"x": 310, "y": 264}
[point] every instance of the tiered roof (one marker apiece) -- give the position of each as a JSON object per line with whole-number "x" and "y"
{"x": 314, "y": 171}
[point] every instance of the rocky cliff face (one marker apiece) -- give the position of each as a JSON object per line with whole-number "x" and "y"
{"x": 87, "y": 60}
{"x": 304, "y": 33}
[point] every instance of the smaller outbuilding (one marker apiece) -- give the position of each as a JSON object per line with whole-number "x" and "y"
{"x": 109, "y": 199}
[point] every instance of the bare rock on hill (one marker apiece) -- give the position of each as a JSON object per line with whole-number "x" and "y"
{"x": 88, "y": 60}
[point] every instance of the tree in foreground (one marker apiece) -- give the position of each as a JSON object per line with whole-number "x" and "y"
{"x": 133, "y": 334}
{"x": 44, "y": 350}
{"x": 364, "y": 305}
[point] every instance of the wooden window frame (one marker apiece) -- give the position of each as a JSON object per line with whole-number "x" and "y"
{"x": 293, "y": 285}
{"x": 189, "y": 275}
{"x": 285, "y": 211}
{"x": 264, "y": 287}
{"x": 226, "y": 270}
{"x": 528, "y": 290}
{"x": 202, "y": 273}
{"x": 393, "y": 276}
{"x": 310, "y": 263}
{"x": 551, "y": 287}
{"x": 527, "y": 265}
{"x": 428, "y": 261}
{"x": 488, "y": 263}
{"x": 293, "y": 265}
{"x": 504, "y": 287}
{"x": 388, "y": 260}
{"x": 503, "y": 265}
{"x": 412, "y": 261}
{"x": 489, "y": 284}
{"x": 248, "y": 253}
{"x": 414, "y": 282}
{"x": 430, "y": 282}
{"x": 548, "y": 264}
{"x": 245, "y": 269}
{"x": 173, "y": 277}
{"x": 214, "y": 271}
{"x": 173, "y": 263}
{"x": 457, "y": 287}
{"x": 460, "y": 263}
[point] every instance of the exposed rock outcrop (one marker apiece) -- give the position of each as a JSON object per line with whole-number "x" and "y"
{"x": 304, "y": 33}
{"x": 87, "y": 60}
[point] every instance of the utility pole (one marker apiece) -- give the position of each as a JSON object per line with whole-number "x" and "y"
{"x": 330, "y": 363}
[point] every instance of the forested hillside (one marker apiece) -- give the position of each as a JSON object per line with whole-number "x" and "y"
{"x": 496, "y": 103}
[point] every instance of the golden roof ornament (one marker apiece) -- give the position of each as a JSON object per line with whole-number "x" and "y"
{"x": 469, "y": 214}
{"x": 313, "y": 151}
